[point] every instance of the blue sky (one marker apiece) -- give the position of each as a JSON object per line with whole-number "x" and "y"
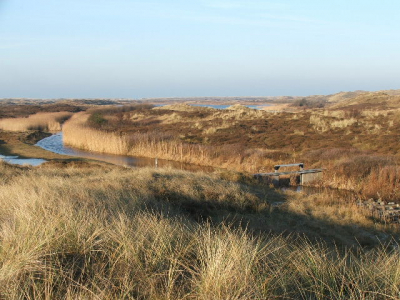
{"x": 155, "y": 48}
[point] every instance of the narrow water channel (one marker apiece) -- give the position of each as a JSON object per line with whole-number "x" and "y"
{"x": 16, "y": 160}
{"x": 55, "y": 144}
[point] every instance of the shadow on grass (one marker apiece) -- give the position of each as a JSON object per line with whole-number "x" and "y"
{"x": 266, "y": 215}
{"x": 4, "y": 150}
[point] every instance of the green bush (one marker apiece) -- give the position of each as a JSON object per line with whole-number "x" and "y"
{"x": 97, "y": 119}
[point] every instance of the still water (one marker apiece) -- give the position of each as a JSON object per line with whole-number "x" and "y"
{"x": 15, "y": 160}
{"x": 226, "y": 106}
{"x": 220, "y": 106}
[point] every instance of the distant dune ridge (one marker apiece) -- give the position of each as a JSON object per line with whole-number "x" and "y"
{"x": 377, "y": 100}
{"x": 331, "y": 98}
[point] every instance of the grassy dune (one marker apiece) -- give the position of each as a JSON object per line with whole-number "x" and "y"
{"x": 39, "y": 121}
{"x": 375, "y": 100}
{"x": 359, "y": 148}
{"x": 87, "y": 232}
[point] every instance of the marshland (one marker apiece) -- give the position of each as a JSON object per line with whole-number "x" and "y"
{"x": 79, "y": 228}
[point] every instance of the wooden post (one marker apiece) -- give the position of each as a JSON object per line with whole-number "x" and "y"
{"x": 275, "y": 180}
{"x": 156, "y": 162}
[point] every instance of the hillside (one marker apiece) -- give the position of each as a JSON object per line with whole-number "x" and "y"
{"x": 375, "y": 101}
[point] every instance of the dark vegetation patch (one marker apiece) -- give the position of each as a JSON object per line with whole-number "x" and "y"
{"x": 309, "y": 103}
{"x": 25, "y": 110}
{"x": 97, "y": 120}
{"x": 100, "y": 117}
{"x": 123, "y": 109}
{"x": 34, "y": 137}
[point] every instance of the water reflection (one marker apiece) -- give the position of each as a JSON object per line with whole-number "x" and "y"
{"x": 15, "y": 160}
{"x": 55, "y": 144}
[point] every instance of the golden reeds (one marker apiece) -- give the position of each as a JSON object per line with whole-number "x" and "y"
{"x": 77, "y": 135}
{"x": 338, "y": 162}
{"x": 159, "y": 145}
{"x": 39, "y": 121}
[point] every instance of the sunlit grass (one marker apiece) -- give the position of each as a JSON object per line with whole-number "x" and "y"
{"x": 115, "y": 233}
{"x": 226, "y": 139}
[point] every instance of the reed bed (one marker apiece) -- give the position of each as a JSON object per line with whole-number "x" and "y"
{"x": 39, "y": 121}
{"x": 164, "y": 146}
{"x": 76, "y": 134}
{"x": 367, "y": 174}
{"x": 113, "y": 233}
{"x": 381, "y": 182}
{"x": 370, "y": 175}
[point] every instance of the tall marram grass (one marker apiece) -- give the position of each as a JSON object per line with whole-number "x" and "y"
{"x": 88, "y": 233}
{"x": 40, "y": 121}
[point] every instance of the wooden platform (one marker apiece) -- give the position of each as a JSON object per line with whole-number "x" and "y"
{"x": 305, "y": 175}
{"x": 290, "y": 172}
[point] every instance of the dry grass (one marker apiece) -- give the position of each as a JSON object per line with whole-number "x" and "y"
{"x": 163, "y": 146}
{"x": 277, "y": 108}
{"x": 373, "y": 100}
{"x": 243, "y": 139}
{"x": 369, "y": 175}
{"x": 39, "y": 121}
{"x": 324, "y": 124}
{"x": 111, "y": 233}
{"x": 366, "y": 122}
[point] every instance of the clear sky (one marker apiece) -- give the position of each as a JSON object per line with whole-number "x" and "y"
{"x": 165, "y": 48}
